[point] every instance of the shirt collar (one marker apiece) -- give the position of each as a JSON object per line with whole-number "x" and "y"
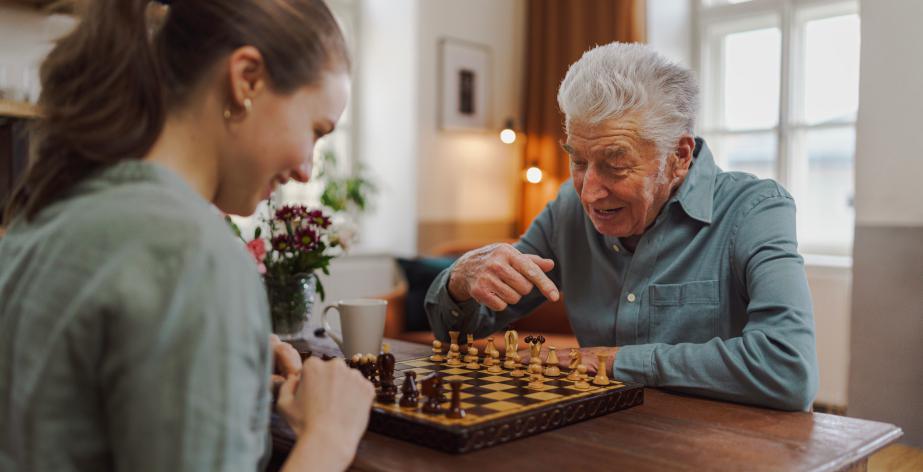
{"x": 696, "y": 194}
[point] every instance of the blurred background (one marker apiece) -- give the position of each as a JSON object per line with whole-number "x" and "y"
{"x": 820, "y": 95}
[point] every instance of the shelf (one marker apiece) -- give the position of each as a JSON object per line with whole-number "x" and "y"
{"x": 13, "y": 109}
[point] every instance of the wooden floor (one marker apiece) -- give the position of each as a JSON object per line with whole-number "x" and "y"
{"x": 897, "y": 458}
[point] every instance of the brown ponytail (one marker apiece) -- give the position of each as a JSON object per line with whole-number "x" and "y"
{"x": 108, "y": 86}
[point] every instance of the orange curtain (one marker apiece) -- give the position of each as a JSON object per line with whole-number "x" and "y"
{"x": 559, "y": 32}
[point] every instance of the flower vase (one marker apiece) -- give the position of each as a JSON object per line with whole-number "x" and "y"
{"x": 291, "y": 300}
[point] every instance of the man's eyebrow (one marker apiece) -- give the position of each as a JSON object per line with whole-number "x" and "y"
{"x": 615, "y": 153}
{"x": 569, "y": 149}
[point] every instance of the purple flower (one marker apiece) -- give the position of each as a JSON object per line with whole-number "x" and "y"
{"x": 317, "y": 218}
{"x": 291, "y": 212}
{"x": 281, "y": 243}
{"x": 305, "y": 239}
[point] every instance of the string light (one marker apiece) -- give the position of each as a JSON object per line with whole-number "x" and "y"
{"x": 508, "y": 135}
{"x": 534, "y": 175}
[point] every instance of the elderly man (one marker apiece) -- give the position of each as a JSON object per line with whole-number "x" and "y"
{"x": 688, "y": 275}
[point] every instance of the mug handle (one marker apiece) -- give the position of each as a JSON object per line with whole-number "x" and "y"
{"x": 337, "y": 338}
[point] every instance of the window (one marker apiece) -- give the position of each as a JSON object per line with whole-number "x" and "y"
{"x": 780, "y": 94}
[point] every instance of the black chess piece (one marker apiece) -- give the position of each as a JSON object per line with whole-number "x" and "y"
{"x": 410, "y": 397}
{"x": 432, "y": 386}
{"x": 385, "y": 366}
{"x": 455, "y": 409}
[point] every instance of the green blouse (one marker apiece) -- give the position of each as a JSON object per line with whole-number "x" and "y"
{"x": 133, "y": 333}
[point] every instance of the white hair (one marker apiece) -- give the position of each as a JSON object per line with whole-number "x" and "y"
{"x": 612, "y": 80}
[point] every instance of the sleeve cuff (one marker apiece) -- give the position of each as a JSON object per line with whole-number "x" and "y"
{"x": 441, "y": 306}
{"x": 636, "y": 364}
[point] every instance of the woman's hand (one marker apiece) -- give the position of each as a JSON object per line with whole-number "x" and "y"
{"x": 285, "y": 362}
{"x": 328, "y": 406}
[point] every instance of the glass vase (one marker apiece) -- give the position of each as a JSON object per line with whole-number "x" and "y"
{"x": 291, "y": 300}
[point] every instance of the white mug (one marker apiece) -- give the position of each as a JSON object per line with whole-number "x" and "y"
{"x": 362, "y": 321}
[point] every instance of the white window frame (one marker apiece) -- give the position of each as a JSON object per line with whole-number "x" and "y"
{"x": 718, "y": 17}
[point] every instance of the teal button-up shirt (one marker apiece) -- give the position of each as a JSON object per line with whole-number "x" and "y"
{"x": 134, "y": 333}
{"x": 714, "y": 301}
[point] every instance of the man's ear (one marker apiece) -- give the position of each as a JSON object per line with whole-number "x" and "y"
{"x": 682, "y": 156}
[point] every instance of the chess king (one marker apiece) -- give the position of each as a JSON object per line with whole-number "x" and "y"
{"x": 687, "y": 276}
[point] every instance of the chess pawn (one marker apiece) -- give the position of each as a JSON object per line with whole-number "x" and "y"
{"x": 354, "y": 361}
{"x": 601, "y": 377}
{"x": 491, "y": 347}
{"x": 437, "y": 352}
{"x": 576, "y": 358}
{"x": 552, "y": 362}
{"x": 472, "y": 358}
{"x": 494, "y": 367}
{"x": 454, "y": 355}
{"x": 536, "y": 379}
{"x": 455, "y": 409}
{"x": 410, "y": 396}
{"x": 581, "y": 382}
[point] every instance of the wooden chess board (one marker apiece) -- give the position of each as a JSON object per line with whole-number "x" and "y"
{"x": 499, "y": 408}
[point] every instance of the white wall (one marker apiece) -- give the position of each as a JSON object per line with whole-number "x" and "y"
{"x": 27, "y": 36}
{"x": 886, "y": 376}
{"x": 888, "y": 129}
{"x": 470, "y": 176}
{"x": 387, "y": 128}
{"x": 669, "y": 29}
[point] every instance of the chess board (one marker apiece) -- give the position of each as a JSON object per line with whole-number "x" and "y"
{"x": 499, "y": 408}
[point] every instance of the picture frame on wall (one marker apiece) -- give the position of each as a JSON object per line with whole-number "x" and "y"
{"x": 465, "y": 86}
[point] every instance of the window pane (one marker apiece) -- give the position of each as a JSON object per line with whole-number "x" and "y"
{"x": 751, "y": 78}
{"x": 754, "y": 153}
{"x": 831, "y": 64}
{"x": 824, "y": 193}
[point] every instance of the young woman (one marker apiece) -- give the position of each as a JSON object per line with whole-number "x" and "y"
{"x": 133, "y": 328}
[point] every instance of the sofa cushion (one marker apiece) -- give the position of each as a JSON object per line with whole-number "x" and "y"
{"x": 420, "y": 273}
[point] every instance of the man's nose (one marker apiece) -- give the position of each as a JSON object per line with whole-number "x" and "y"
{"x": 593, "y": 188}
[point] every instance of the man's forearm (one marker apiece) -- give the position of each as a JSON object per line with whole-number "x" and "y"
{"x": 751, "y": 369}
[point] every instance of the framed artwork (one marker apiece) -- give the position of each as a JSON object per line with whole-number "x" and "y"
{"x": 464, "y": 90}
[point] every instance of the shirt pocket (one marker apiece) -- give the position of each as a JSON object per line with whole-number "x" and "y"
{"x": 686, "y": 312}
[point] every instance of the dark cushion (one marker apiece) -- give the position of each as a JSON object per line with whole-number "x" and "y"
{"x": 420, "y": 273}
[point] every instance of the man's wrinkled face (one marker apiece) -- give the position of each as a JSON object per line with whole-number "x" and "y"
{"x": 620, "y": 178}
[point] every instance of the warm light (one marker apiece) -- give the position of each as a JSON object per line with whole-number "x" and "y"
{"x": 508, "y": 136}
{"x": 534, "y": 175}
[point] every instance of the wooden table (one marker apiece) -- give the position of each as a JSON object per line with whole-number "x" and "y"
{"x": 668, "y": 432}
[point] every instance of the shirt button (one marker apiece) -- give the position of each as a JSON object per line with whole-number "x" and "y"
{"x": 615, "y": 247}
{"x": 631, "y": 298}
{"x": 455, "y": 313}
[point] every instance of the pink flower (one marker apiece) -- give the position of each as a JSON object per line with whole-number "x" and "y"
{"x": 257, "y": 249}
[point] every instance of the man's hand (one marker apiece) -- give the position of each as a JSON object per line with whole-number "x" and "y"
{"x": 590, "y": 360}
{"x": 498, "y": 275}
{"x": 285, "y": 361}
